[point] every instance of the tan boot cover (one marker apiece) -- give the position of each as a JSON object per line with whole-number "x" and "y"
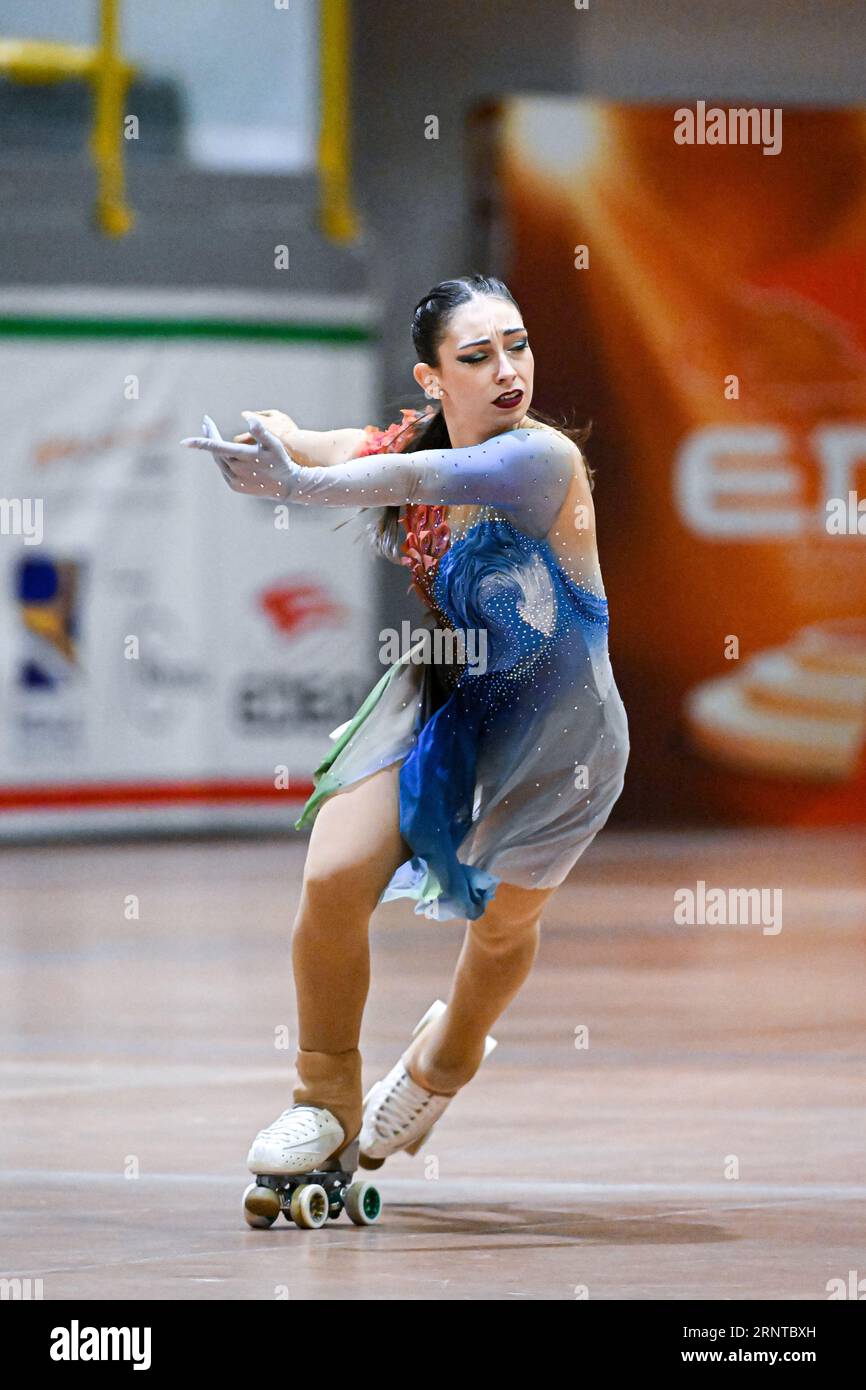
{"x": 332, "y": 1079}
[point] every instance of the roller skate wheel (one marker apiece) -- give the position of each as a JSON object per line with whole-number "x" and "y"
{"x": 363, "y": 1203}
{"x": 309, "y": 1207}
{"x": 261, "y": 1206}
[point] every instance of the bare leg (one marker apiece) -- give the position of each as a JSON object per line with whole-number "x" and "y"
{"x": 498, "y": 952}
{"x": 355, "y": 846}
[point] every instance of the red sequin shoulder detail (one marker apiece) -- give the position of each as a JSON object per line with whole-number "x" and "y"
{"x": 391, "y": 440}
{"x": 428, "y": 534}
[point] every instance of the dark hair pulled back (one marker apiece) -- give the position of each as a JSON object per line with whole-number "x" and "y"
{"x": 430, "y": 319}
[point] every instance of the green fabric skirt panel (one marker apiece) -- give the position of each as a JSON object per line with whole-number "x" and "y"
{"x": 381, "y": 732}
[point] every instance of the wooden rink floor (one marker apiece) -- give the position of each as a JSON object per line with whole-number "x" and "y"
{"x": 139, "y": 1059}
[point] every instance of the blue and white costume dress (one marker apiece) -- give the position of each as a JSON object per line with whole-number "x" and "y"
{"x": 514, "y": 754}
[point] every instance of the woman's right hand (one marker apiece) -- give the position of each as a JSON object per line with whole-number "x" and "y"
{"x": 277, "y": 422}
{"x": 262, "y": 467}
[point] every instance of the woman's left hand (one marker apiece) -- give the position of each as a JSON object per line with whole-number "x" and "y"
{"x": 277, "y": 421}
{"x": 263, "y": 468}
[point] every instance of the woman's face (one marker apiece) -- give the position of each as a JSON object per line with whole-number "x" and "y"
{"x": 484, "y": 355}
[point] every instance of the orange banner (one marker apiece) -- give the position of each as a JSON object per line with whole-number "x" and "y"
{"x": 705, "y": 304}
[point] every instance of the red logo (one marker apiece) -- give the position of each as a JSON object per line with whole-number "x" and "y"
{"x": 296, "y": 608}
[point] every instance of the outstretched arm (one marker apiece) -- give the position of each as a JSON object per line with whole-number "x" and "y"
{"x": 322, "y": 448}
{"x": 527, "y": 471}
{"x": 310, "y": 448}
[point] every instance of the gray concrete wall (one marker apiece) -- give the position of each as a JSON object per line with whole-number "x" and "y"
{"x": 417, "y": 197}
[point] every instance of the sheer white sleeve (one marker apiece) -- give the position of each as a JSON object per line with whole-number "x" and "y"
{"x": 524, "y": 471}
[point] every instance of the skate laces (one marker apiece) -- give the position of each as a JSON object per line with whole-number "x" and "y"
{"x": 298, "y": 1117}
{"x": 402, "y": 1106}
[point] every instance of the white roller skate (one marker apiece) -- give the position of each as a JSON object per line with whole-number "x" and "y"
{"x": 303, "y": 1167}
{"x": 398, "y": 1113}
{"x": 303, "y": 1136}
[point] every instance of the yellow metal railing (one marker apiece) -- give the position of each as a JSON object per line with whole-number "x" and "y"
{"x": 41, "y": 60}
{"x": 337, "y": 216}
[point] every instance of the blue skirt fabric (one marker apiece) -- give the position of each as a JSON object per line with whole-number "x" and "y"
{"x": 512, "y": 766}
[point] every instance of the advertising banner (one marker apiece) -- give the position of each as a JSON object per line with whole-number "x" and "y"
{"x": 702, "y": 298}
{"x": 172, "y": 653}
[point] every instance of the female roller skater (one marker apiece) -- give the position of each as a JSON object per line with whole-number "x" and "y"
{"x": 471, "y": 787}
